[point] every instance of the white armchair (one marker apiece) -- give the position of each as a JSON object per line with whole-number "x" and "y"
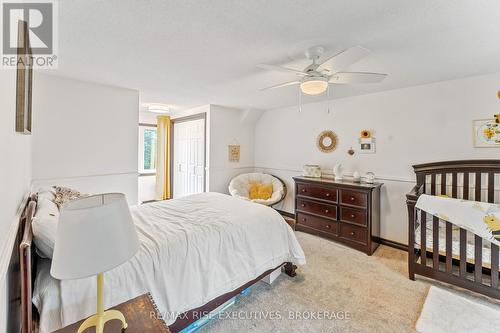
{"x": 240, "y": 185}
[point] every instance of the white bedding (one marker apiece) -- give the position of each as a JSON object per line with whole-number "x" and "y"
{"x": 455, "y": 244}
{"x": 192, "y": 250}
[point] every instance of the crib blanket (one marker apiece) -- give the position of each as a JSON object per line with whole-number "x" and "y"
{"x": 480, "y": 218}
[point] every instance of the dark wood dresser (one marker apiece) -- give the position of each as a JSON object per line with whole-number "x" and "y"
{"x": 343, "y": 211}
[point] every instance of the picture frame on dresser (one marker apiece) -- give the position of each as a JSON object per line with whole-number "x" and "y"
{"x": 342, "y": 211}
{"x": 24, "y": 80}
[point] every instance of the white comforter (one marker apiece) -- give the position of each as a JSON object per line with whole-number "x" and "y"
{"x": 192, "y": 250}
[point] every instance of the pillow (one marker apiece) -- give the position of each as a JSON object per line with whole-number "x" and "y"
{"x": 253, "y": 192}
{"x": 66, "y": 194}
{"x": 265, "y": 191}
{"x": 260, "y": 191}
{"x": 47, "y": 193}
{"x": 45, "y": 227}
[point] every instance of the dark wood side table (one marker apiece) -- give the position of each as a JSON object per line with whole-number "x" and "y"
{"x": 140, "y": 314}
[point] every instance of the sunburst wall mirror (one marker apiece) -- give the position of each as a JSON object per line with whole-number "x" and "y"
{"x": 327, "y": 141}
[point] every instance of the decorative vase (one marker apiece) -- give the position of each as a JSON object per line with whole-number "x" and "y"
{"x": 356, "y": 177}
{"x": 338, "y": 171}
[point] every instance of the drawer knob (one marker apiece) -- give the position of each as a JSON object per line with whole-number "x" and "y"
{"x": 352, "y": 198}
{"x": 353, "y": 216}
{"x": 328, "y": 194}
{"x": 352, "y": 233}
{"x": 304, "y": 190}
{"x": 328, "y": 226}
{"x": 303, "y": 219}
{"x": 327, "y": 211}
{"x": 303, "y": 205}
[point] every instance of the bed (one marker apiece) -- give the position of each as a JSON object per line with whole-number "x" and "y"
{"x": 441, "y": 250}
{"x": 196, "y": 253}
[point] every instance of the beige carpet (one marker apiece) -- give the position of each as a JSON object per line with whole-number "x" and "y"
{"x": 373, "y": 293}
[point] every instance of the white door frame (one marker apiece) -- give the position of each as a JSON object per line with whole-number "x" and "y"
{"x": 172, "y": 162}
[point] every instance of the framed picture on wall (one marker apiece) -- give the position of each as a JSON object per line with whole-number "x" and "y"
{"x": 366, "y": 145}
{"x": 234, "y": 153}
{"x": 24, "y": 80}
{"x": 486, "y": 133}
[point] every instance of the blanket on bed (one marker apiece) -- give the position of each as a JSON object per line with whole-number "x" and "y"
{"x": 193, "y": 249}
{"x": 480, "y": 218}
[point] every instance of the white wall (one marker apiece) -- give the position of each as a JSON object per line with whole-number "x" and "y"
{"x": 15, "y": 178}
{"x": 418, "y": 124}
{"x": 228, "y": 126}
{"x": 85, "y": 133}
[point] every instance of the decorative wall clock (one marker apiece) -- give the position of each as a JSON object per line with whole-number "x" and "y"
{"x": 327, "y": 141}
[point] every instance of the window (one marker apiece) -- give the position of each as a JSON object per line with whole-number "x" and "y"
{"x": 147, "y": 149}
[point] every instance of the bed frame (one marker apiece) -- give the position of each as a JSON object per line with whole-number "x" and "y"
{"x": 470, "y": 180}
{"x": 21, "y": 277}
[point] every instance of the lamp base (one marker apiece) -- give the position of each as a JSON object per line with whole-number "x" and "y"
{"x": 99, "y": 320}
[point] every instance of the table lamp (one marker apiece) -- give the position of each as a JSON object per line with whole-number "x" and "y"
{"x": 95, "y": 234}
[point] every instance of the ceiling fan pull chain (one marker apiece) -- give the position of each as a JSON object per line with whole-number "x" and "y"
{"x": 300, "y": 100}
{"x": 328, "y": 97}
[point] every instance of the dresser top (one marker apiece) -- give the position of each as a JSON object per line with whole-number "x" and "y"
{"x": 332, "y": 181}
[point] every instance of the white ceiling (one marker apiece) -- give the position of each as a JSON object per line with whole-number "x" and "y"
{"x": 191, "y": 52}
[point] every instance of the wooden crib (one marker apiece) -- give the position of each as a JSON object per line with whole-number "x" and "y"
{"x": 444, "y": 256}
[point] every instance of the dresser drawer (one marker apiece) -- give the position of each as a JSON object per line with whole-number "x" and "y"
{"x": 318, "y": 192}
{"x": 354, "y": 233}
{"x": 352, "y": 215}
{"x": 354, "y": 198}
{"x": 317, "y": 208}
{"x": 318, "y": 223}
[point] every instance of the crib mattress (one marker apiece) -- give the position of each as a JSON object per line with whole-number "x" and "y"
{"x": 486, "y": 253}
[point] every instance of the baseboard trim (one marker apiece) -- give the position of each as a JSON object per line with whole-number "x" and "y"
{"x": 393, "y": 244}
{"x": 287, "y": 214}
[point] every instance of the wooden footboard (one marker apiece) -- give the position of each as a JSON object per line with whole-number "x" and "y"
{"x": 471, "y": 180}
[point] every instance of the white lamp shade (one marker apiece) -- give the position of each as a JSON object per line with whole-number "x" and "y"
{"x": 95, "y": 234}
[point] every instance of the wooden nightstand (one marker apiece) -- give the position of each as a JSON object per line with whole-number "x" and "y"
{"x": 140, "y": 314}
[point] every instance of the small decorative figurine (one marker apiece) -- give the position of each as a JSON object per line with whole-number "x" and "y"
{"x": 338, "y": 171}
{"x": 356, "y": 177}
{"x": 370, "y": 177}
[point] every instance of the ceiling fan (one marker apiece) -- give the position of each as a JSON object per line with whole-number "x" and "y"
{"x": 326, "y": 69}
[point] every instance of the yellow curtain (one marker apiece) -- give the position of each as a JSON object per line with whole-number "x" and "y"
{"x": 163, "y": 158}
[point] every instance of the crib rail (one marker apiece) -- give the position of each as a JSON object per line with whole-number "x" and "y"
{"x": 455, "y": 256}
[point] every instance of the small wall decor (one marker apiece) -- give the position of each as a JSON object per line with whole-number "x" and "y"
{"x": 24, "y": 80}
{"x": 366, "y": 142}
{"x": 486, "y": 133}
{"x": 234, "y": 153}
{"x": 365, "y": 134}
{"x": 327, "y": 141}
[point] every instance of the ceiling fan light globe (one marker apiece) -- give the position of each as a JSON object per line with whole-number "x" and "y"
{"x": 314, "y": 86}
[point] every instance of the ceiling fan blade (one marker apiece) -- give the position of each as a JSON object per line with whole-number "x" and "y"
{"x": 344, "y": 59}
{"x": 357, "y": 77}
{"x": 280, "y": 69}
{"x": 291, "y": 83}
